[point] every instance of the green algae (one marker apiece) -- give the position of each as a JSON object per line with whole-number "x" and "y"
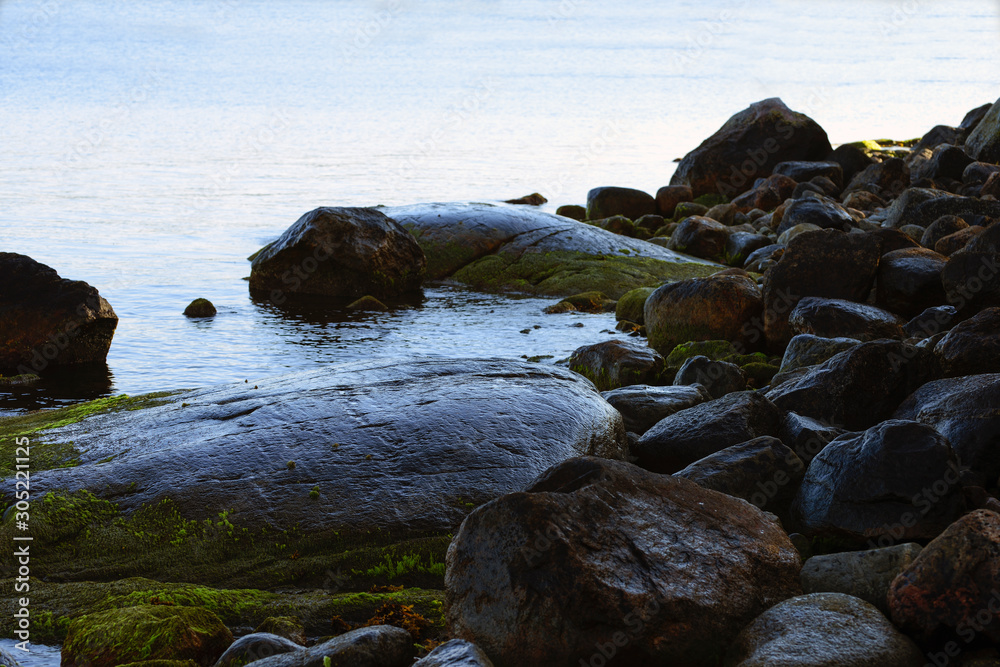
{"x": 716, "y": 350}
{"x": 630, "y": 306}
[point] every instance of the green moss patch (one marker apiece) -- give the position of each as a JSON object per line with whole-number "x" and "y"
{"x": 716, "y": 350}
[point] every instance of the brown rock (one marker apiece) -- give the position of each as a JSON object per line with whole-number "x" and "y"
{"x": 954, "y": 242}
{"x": 669, "y": 196}
{"x": 973, "y": 346}
{"x": 909, "y": 281}
{"x": 700, "y": 236}
{"x": 617, "y": 363}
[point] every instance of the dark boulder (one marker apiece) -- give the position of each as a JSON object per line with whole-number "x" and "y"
{"x": 630, "y": 306}
{"x": 47, "y": 321}
{"x": 940, "y": 228}
{"x": 945, "y": 162}
{"x": 606, "y": 202}
{"x": 897, "y": 481}
{"x": 991, "y": 187}
{"x": 886, "y": 179}
{"x": 253, "y": 647}
{"x": 894, "y": 239}
{"x": 983, "y": 143}
{"x": 573, "y": 212}
{"x": 862, "y": 200}
{"x": 807, "y": 350}
{"x": 852, "y": 158}
{"x": 740, "y": 245}
{"x": 601, "y": 559}
{"x": 837, "y": 318}
{"x": 718, "y": 377}
{"x": 823, "y": 213}
{"x": 669, "y": 196}
{"x": 766, "y": 195}
{"x": 713, "y": 308}
{"x": 971, "y": 279}
{"x": 762, "y": 259}
{"x": 372, "y": 646}
{"x": 200, "y": 308}
{"x": 949, "y": 245}
{"x": 702, "y": 237}
{"x": 973, "y": 346}
{"x": 749, "y": 145}
{"x": 692, "y": 434}
{"x": 805, "y": 171}
{"x": 979, "y": 172}
{"x": 455, "y": 653}
{"x": 922, "y": 207}
{"x": 864, "y": 574}
{"x": 825, "y": 263}
{"x": 534, "y": 199}
{"x": 344, "y": 253}
{"x": 909, "y": 281}
{"x": 617, "y": 363}
{"x": 931, "y": 322}
{"x": 642, "y": 406}
{"x": 807, "y": 436}
{"x": 858, "y": 387}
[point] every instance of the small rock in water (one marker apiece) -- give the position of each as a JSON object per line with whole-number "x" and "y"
{"x": 534, "y": 199}
{"x": 256, "y": 646}
{"x": 368, "y": 303}
{"x": 200, "y": 308}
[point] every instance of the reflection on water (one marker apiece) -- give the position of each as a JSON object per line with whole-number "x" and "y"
{"x": 38, "y": 656}
{"x": 58, "y": 387}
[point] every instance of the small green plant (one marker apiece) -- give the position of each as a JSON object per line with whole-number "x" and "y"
{"x": 326, "y": 661}
{"x": 405, "y": 565}
{"x": 291, "y": 465}
{"x": 314, "y": 494}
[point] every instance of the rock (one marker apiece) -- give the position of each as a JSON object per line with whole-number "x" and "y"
{"x": 970, "y": 279}
{"x": 587, "y": 302}
{"x": 749, "y": 145}
{"x": 455, "y": 653}
{"x": 914, "y": 232}
{"x": 369, "y": 303}
{"x": 766, "y": 195}
{"x": 200, "y": 308}
{"x": 973, "y": 346}
{"x": 923, "y": 207}
{"x": 858, "y": 387}
{"x": 373, "y": 646}
{"x": 342, "y": 253}
{"x": 952, "y": 243}
{"x": 940, "y": 228}
{"x": 951, "y": 587}
{"x": 396, "y": 449}
{"x": 837, "y": 318}
{"x": 823, "y": 629}
{"x": 702, "y": 237}
{"x": 607, "y": 554}
{"x": 991, "y": 187}
{"x": 630, "y": 306}
{"x": 289, "y": 627}
{"x": 903, "y": 209}
{"x": 899, "y": 480}
{"x": 863, "y": 200}
{"x": 939, "y": 134}
{"x": 606, "y": 202}
{"x": 534, "y": 199}
{"x": 762, "y": 259}
{"x": 806, "y": 436}
{"x": 692, "y": 434}
{"x": 642, "y": 406}
{"x": 7, "y": 660}
{"x": 807, "y": 350}
{"x": 820, "y": 212}
{"x": 945, "y": 162}
{"x": 651, "y": 222}
{"x": 986, "y": 241}
{"x": 886, "y": 179}
{"x": 145, "y": 632}
{"x": 740, "y": 245}
{"x": 862, "y": 574}
{"x": 852, "y": 159}
{"x": 979, "y": 172}
{"x": 573, "y": 212}
{"x": 713, "y": 308}
{"x": 669, "y": 196}
{"x": 974, "y": 117}
{"x": 909, "y": 281}
{"x": 762, "y": 471}
{"x": 983, "y": 143}
{"x": 718, "y": 377}
{"x": 497, "y": 247}
{"x": 805, "y": 171}
{"x": 256, "y": 646}
{"x": 826, "y": 263}
{"x": 47, "y": 321}
{"x": 931, "y": 322}
{"x": 713, "y": 349}
{"x": 797, "y": 230}
{"x": 618, "y": 224}
{"x": 617, "y": 363}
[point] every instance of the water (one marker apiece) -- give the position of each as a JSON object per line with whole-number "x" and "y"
{"x": 38, "y": 655}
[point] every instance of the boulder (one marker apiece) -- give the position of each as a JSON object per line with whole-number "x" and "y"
{"x": 938, "y": 135}
{"x": 740, "y": 245}
{"x": 724, "y": 213}
{"x": 651, "y": 222}
{"x": 47, "y": 321}
{"x": 145, "y": 632}
{"x": 931, "y": 322}
{"x": 823, "y": 629}
{"x": 573, "y": 212}
{"x": 862, "y": 200}
{"x": 852, "y": 158}
{"x": 897, "y": 481}
{"x": 807, "y": 350}
{"x": 749, "y": 145}
{"x": 630, "y": 306}
{"x": 945, "y": 162}
{"x": 940, "y": 228}
{"x": 991, "y": 187}
{"x": 602, "y": 560}
{"x": 805, "y": 171}
{"x": 617, "y": 363}
{"x": 952, "y": 587}
{"x": 289, "y": 627}
{"x": 973, "y": 346}
{"x": 373, "y": 646}
{"x": 343, "y": 253}
{"x": 766, "y": 194}
{"x": 497, "y": 247}
{"x": 200, "y": 308}
{"x": 909, "y": 281}
{"x": 837, "y": 318}
{"x": 617, "y": 224}
{"x": 954, "y": 242}
{"x": 253, "y": 647}
{"x": 823, "y": 213}
{"x": 669, "y": 196}
{"x": 858, "y": 387}
{"x": 606, "y": 202}
{"x": 886, "y": 179}
{"x": 692, "y": 434}
{"x": 718, "y": 377}
{"x": 702, "y": 237}
{"x": 762, "y": 471}
{"x": 971, "y": 279}
{"x": 534, "y": 199}
{"x": 826, "y": 263}
{"x": 642, "y": 406}
{"x": 455, "y": 653}
{"x": 979, "y": 172}
{"x": 983, "y": 143}
{"x": 393, "y": 451}
{"x": 797, "y": 230}
{"x": 974, "y": 117}
{"x": 862, "y": 574}
{"x": 923, "y": 207}
{"x": 698, "y": 309}
{"x": 807, "y": 436}
{"x": 762, "y": 259}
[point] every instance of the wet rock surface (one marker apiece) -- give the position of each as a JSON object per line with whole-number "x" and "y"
{"x": 642, "y": 406}
{"x": 837, "y": 318}
{"x": 863, "y": 574}
{"x": 617, "y": 363}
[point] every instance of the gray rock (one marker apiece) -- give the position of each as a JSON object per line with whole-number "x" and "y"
{"x": 253, "y": 647}
{"x": 972, "y": 347}
{"x": 740, "y": 245}
{"x": 7, "y": 660}
{"x": 642, "y": 406}
{"x": 838, "y": 318}
{"x": 886, "y": 179}
{"x": 897, "y": 481}
{"x": 807, "y": 350}
{"x": 455, "y": 653}
{"x": 931, "y": 322}
{"x": 374, "y": 646}
{"x": 617, "y": 363}
{"x": 763, "y": 258}
{"x": 803, "y": 171}
{"x": 823, "y": 629}
{"x": 823, "y": 213}
{"x": 807, "y": 436}
{"x": 600, "y": 556}
{"x": 983, "y": 143}
{"x": 718, "y": 377}
{"x": 863, "y": 574}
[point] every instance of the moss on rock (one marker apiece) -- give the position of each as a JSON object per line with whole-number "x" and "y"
{"x": 716, "y": 350}
{"x": 630, "y": 305}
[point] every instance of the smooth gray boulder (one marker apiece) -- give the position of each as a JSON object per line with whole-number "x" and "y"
{"x": 455, "y": 653}
{"x": 863, "y": 574}
{"x": 374, "y": 646}
{"x": 642, "y": 406}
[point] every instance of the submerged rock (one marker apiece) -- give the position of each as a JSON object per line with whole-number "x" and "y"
{"x": 47, "y": 321}
{"x": 601, "y": 557}
{"x": 200, "y": 308}
{"x": 507, "y": 248}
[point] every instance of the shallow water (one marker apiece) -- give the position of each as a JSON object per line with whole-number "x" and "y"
{"x": 38, "y": 655}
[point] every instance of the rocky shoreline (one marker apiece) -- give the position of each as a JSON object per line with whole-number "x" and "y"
{"x": 793, "y": 460}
